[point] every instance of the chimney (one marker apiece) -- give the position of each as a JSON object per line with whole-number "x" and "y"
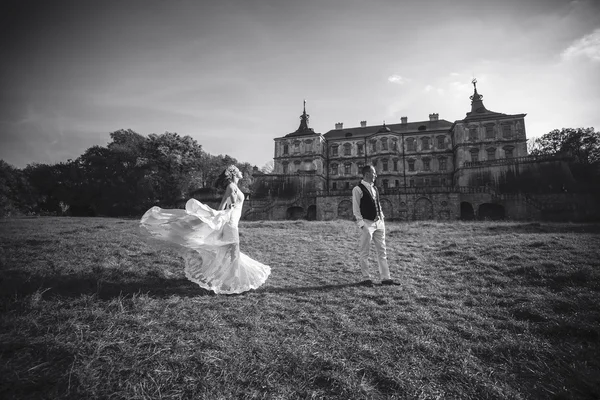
{"x": 363, "y": 124}
{"x": 404, "y": 120}
{"x": 339, "y": 125}
{"x": 433, "y": 117}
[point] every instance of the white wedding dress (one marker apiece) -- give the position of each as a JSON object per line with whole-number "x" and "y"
{"x": 208, "y": 240}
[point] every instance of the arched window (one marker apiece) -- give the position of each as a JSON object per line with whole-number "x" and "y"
{"x": 489, "y": 131}
{"x": 473, "y": 133}
{"x": 442, "y": 163}
{"x": 359, "y": 149}
{"x": 347, "y": 149}
{"x": 426, "y": 164}
{"x": 347, "y": 168}
{"x": 334, "y": 169}
{"x": 440, "y": 142}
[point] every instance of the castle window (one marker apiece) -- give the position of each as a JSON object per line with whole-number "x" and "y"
{"x": 425, "y": 142}
{"x": 442, "y": 163}
{"x": 285, "y": 168}
{"x": 347, "y": 186}
{"x": 334, "y": 151}
{"x": 347, "y": 149}
{"x": 394, "y": 145}
{"x": 360, "y": 149}
{"x": 491, "y": 153}
{"x": 426, "y": 181}
{"x": 410, "y": 144}
{"x": 411, "y": 165}
{"x": 348, "y": 134}
{"x": 422, "y": 128}
{"x": 473, "y": 133}
{"x": 374, "y": 146}
{"x": 411, "y": 183}
{"x": 395, "y": 165}
{"x": 384, "y": 144}
{"x": 440, "y": 142}
{"x": 347, "y": 167}
{"x": 334, "y": 169}
{"x": 286, "y": 149}
{"x": 296, "y": 147}
{"x": 385, "y": 183}
{"x": 443, "y": 181}
{"x": 426, "y": 164}
{"x": 506, "y": 131}
{"x": 334, "y": 186}
{"x": 397, "y": 183}
{"x": 489, "y": 131}
{"x": 474, "y": 155}
{"x": 360, "y": 166}
{"x": 384, "y": 165}
{"x": 508, "y": 151}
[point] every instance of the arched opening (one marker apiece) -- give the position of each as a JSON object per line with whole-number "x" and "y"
{"x": 311, "y": 213}
{"x": 491, "y": 211}
{"x": 345, "y": 209}
{"x": 294, "y": 213}
{"x": 423, "y": 209}
{"x": 466, "y": 211}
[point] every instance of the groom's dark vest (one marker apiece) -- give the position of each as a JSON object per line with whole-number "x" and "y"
{"x": 369, "y": 208}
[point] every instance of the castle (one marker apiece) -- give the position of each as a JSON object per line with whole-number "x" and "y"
{"x": 476, "y": 167}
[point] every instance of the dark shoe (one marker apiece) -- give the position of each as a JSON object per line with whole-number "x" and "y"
{"x": 366, "y": 282}
{"x": 389, "y": 282}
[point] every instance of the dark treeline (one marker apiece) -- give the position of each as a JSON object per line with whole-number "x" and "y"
{"x": 125, "y": 178}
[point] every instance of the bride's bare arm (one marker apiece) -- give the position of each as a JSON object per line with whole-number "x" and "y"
{"x": 228, "y": 195}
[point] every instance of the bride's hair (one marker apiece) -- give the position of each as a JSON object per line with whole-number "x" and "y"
{"x": 226, "y": 177}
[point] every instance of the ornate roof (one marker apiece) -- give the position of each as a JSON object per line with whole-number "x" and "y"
{"x": 303, "y": 129}
{"x": 478, "y": 110}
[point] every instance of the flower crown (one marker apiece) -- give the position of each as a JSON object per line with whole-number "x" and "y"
{"x": 231, "y": 171}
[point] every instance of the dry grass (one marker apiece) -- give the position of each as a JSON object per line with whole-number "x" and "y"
{"x": 485, "y": 311}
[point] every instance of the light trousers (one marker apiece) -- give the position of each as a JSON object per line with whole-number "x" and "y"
{"x": 373, "y": 231}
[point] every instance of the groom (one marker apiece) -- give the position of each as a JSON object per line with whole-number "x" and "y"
{"x": 369, "y": 218}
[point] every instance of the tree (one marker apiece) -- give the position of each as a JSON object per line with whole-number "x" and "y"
{"x": 268, "y": 167}
{"x": 583, "y": 144}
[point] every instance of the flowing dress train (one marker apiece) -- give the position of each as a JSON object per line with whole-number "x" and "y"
{"x": 208, "y": 240}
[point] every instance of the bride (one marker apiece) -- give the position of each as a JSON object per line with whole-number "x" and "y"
{"x": 208, "y": 240}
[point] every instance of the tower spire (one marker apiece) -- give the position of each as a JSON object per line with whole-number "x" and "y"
{"x": 476, "y": 100}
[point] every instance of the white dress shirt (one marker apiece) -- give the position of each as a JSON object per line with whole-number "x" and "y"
{"x": 357, "y": 195}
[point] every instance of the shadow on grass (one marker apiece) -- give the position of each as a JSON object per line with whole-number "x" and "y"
{"x": 16, "y": 284}
{"x": 299, "y": 289}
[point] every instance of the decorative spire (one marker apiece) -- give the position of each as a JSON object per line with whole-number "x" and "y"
{"x": 304, "y": 120}
{"x": 476, "y": 102}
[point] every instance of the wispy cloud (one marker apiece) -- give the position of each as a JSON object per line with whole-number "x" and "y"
{"x": 428, "y": 88}
{"x": 400, "y": 80}
{"x": 586, "y": 46}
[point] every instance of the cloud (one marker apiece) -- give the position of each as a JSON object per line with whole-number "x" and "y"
{"x": 397, "y": 79}
{"x": 586, "y": 46}
{"x": 428, "y": 88}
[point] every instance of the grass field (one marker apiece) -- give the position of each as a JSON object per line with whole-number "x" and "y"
{"x": 485, "y": 311}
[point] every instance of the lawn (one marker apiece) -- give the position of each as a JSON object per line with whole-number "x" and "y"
{"x": 485, "y": 310}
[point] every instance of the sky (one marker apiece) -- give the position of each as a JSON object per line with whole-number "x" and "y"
{"x": 233, "y": 74}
